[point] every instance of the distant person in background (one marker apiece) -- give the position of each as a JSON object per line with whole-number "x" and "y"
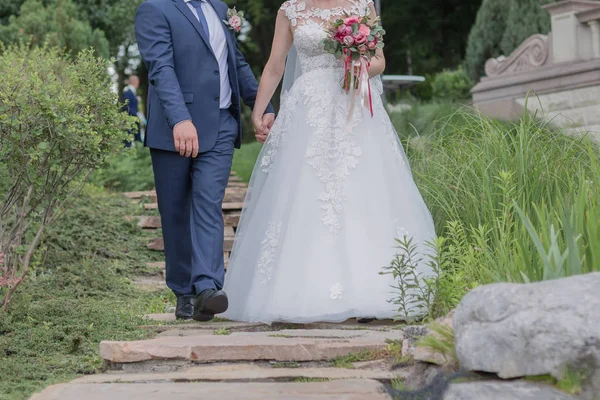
{"x": 143, "y": 120}
{"x": 132, "y": 104}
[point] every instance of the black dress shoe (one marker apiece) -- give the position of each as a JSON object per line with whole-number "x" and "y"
{"x": 185, "y": 307}
{"x": 208, "y": 303}
{"x": 365, "y": 320}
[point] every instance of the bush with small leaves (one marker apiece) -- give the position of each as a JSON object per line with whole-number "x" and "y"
{"x": 59, "y": 120}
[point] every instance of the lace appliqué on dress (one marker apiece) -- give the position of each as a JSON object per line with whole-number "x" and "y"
{"x": 299, "y": 10}
{"x": 337, "y": 292}
{"x": 269, "y": 247}
{"x": 288, "y": 105}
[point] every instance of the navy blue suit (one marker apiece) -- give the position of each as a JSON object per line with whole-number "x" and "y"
{"x": 185, "y": 84}
{"x": 132, "y": 108}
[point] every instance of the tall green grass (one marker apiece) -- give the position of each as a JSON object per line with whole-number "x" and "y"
{"x": 514, "y": 202}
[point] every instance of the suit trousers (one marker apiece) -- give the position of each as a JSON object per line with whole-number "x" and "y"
{"x": 190, "y": 194}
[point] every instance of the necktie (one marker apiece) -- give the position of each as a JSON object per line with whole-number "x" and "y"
{"x": 198, "y": 6}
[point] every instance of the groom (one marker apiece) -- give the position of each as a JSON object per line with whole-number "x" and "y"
{"x": 197, "y": 75}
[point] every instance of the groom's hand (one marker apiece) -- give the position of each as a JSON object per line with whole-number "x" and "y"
{"x": 186, "y": 139}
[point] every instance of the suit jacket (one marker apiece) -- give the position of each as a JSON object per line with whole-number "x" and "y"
{"x": 184, "y": 74}
{"x": 131, "y": 101}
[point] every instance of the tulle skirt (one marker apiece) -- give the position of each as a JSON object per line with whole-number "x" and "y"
{"x": 329, "y": 195}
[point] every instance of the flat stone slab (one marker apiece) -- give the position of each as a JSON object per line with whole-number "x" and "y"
{"x": 146, "y": 222}
{"x": 151, "y": 206}
{"x": 239, "y": 372}
{"x": 139, "y": 195}
{"x": 158, "y": 265}
{"x": 354, "y": 389}
{"x": 253, "y": 346}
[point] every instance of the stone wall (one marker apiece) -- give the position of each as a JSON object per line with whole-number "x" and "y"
{"x": 557, "y": 75}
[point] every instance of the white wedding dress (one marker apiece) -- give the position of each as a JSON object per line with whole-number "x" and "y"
{"x": 326, "y": 200}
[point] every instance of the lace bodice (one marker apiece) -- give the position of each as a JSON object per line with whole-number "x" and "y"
{"x": 309, "y": 24}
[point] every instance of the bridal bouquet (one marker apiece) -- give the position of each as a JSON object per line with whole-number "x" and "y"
{"x": 355, "y": 40}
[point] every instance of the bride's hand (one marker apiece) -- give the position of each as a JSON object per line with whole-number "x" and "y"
{"x": 260, "y": 131}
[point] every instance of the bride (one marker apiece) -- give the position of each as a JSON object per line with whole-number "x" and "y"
{"x": 327, "y": 198}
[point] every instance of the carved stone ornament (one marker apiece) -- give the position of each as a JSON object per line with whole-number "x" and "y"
{"x": 533, "y": 53}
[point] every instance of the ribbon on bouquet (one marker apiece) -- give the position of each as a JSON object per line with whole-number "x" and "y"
{"x": 358, "y": 86}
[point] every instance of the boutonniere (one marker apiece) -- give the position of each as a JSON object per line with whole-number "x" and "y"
{"x": 235, "y": 19}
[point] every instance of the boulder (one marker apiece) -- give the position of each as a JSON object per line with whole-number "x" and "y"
{"x": 497, "y": 390}
{"x": 517, "y": 330}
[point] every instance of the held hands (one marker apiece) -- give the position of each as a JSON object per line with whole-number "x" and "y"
{"x": 262, "y": 126}
{"x": 186, "y": 139}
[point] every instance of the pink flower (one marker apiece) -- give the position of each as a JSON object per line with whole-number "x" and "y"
{"x": 362, "y": 48}
{"x": 373, "y": 45}
{"x": 348, "y": 40}
{"x": 352, "y": 20}
{"x": 364, "y": 29}
{"x": 359, "y": 38}
{"x": 235, "y": 22}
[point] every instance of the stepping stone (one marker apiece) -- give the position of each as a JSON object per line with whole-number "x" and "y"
{"x": 157, "y": 244}
{"x": 235, "y": 195}
{"x": 238, "y": 372}
{"x": 232, "y": 218}
{"x": 350, "y": 389}
{"x": 156, "y": 265}
{"x": 242, "y": 347}
{"x": 151, "y": 206}
{"x": 139, "y": 195}
{"x": 233, "y": 206}
{"x": 151, "y": 283}
{"x": 149, "y": 222}
{"x": 236, "y": 184}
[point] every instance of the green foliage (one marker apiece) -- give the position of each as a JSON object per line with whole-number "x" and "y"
{"x": 79, "y": 294}
{"x": 525, "y": 18}
{"x": 426, "y": 36}
{"x": 441, "y": 341}
{"x": 485, "y": 36}
{"x": 452, "y": 86}
{"x": 57, "y": 24}
{"x": 420, "y": 122}
{"x": 59, "y": 120}
{"x": 477, "y": 178}
{"x": 245, "y": 158}
{"x": 127, "y": 172}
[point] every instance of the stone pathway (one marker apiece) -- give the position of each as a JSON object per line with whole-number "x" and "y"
{"x": 232, "y": 360}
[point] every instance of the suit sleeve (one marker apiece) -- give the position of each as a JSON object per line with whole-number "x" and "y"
{"x": 153, "y": 36}
{"x": 247, "y": 81}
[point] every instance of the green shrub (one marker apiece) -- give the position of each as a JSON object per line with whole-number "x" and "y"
{"x": 56, "y": 24}
{"x": 59, "y": 121}
{"x": 452, "y": 86}
{"x": 525, "y": 18}
{"x": 485, "y": 36}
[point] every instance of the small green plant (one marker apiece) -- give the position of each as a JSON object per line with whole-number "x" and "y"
{"x": 311, "y": 380}
{"x": 222, "y": 331}
{"x": 441, "y": 341}
{"x": 415, "y": 296}
{"x": 398, "y": 384}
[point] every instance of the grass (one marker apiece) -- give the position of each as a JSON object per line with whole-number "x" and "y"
{"x": 79, "y": 294}
{"x": 311, "y": 380}
{"x": 128, "y": 172}
{"x": 222, "y": 332}
{"x": 572, "y": 381}
{"x": 244, "y": 160}
{"x": 348, "y": 361}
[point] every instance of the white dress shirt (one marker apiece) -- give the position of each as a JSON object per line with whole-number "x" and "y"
{"x": 218, "y": 42}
